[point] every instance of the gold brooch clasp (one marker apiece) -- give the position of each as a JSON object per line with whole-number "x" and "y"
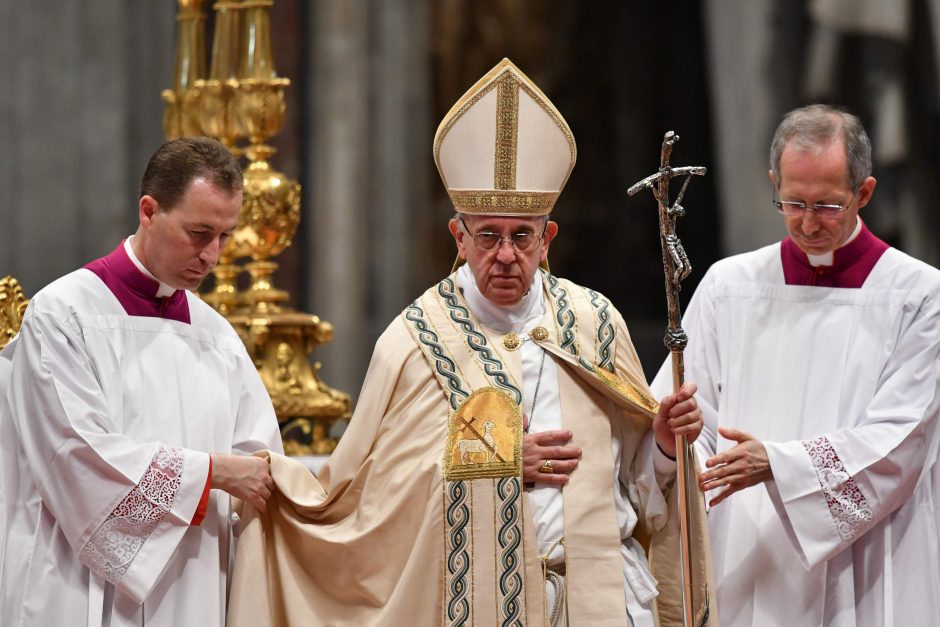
{"x": 512, "y": 341}
{"x": 539, "y": 334}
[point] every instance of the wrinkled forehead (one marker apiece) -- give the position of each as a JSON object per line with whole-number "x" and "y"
{"x": 504, "y": 223}
{"x": 830, "y": 153}
{"x": 814, "y": 162}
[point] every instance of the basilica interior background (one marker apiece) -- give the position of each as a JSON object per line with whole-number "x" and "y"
{"x": 81, "y": 111}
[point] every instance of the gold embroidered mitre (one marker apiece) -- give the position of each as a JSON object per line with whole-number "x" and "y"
{"x": 503, "y": 148}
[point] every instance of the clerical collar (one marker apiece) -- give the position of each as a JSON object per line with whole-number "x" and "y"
{"x": 518, "y": 318}
{"x": 135, "y": 290}
{"x": 848, "y": 266}
{"x": 164, "y": 289}
{"x": 825, "y": 259}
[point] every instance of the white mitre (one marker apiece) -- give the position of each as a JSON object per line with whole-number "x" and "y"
{"x": 503, "y": 148}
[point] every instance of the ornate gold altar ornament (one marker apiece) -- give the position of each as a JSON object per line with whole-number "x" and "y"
{"x": 676, "y": 267}
{"x": 243, "y": 99}
{"x": 503, "y": 148}
{"x": 12, "y": 309}
{"x": 180, "y": 115}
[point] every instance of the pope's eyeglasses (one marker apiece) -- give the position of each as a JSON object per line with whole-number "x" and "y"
{"x": 488, "y": 241}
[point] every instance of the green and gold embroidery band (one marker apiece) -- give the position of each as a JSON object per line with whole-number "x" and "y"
{"x": 605, "y": 331}
{"x": 564, "y": 314}
{"x": 484, "y": 445}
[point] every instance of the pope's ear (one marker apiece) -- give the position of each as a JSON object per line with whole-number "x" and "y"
{"x": 551, "y": 230}
{"x": 454, "y": 227}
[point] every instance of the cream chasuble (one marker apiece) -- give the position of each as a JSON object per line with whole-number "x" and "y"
{"x": 419, "y": 517}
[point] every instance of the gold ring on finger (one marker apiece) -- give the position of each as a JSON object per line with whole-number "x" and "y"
{"x": 547, "y": 467}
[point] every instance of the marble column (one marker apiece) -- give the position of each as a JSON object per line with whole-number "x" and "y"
{"x": 368, "y": 148}
{"x": 402, "y": 209}
{"x": 750, "y": 81}
{"x": 336, "y": 193}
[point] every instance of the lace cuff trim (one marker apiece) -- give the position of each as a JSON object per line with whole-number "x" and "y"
{"x": 847, "y": 505}
{"x": 114, "y": 545}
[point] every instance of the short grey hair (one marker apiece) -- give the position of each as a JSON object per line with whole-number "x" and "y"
{"x": 818, "y": 125}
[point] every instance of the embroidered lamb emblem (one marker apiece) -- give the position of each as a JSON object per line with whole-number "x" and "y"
{"x": 474, "y": 442}
{"x": 484, "y": 438}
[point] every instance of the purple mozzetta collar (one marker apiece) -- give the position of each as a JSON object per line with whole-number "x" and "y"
{"x": 136, "y": 291}
{"x": 851, "y": 264}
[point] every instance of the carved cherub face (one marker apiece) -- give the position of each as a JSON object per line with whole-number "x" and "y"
{"x": 284, "y": 354}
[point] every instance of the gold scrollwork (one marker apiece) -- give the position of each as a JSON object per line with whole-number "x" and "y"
{"x": 242, "y": 98}
{"x": 12, "y": 308}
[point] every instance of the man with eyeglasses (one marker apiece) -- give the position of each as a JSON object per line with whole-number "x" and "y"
{"x": 818, "y": 362}
{"x": 504, "y": 447}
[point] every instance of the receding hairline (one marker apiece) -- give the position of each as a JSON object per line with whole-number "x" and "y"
{"x": 800, "y": 145}
{"x": 817, "y": 127}
{"x": 818, "y": 136}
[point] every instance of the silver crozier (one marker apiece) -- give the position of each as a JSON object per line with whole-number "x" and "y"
{"x": 676, "y": 267}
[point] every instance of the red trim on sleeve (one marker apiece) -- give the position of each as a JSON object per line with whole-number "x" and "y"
{"x": 204, "y": 501}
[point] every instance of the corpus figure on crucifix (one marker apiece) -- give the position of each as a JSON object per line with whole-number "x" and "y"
{"x": 676, "y": 267}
